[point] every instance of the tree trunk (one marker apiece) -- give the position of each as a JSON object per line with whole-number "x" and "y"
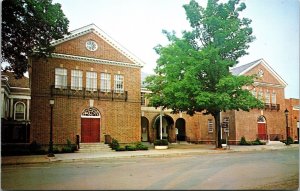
{"x": 218, "y": 130}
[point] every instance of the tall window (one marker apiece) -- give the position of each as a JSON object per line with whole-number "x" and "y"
{"x": 91, "y": 81}
{"x": 143, "y": 102}
{"x": 60, "y": 78}
{"x": 260, "y": 95}
{"x": 273, "y": 98}
{"x": 105, "y": 82}
{"x": 76, "y": 79}
{"x": 19, "y": 111}
{"x": 267, "y": 98}
{"x": 210, "y": 126}
{"x": 119, "y": 83}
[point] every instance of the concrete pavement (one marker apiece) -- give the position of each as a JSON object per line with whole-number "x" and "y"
{"x": 174, "y": 150}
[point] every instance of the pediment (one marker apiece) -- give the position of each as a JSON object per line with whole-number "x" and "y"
{"x": 74, "y": 46}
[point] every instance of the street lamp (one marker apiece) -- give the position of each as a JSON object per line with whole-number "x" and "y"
{"x": 286, "y": 112}
{"x": 50, "y": 150}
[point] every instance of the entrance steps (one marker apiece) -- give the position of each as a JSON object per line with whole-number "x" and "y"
{"x": 94, "y": 147}
{"x": 275, "y": 143}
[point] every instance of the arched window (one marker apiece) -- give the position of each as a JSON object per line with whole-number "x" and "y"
{"x": 19, "y": 111}
{"x": 261, "y": 119}
{"x": 90, "y": 112}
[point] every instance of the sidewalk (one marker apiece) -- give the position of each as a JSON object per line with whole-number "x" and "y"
{"x": 184, "y": 149}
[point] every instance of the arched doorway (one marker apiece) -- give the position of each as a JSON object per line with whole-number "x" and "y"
{"x": 262, "y": 128}
{"x": 180, "y": 125}
{"x": 167, "y": 123}
{"x": 90, "y": 125}
{"x": 144, "y": 129}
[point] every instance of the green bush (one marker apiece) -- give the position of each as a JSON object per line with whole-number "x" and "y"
{"x": 243, "y": 141}
{"x": 140, "y": 146}
{"x": 161, "y": 142}
{"x": 70, "y": 148}
{"x": 114, "y": 144}
{"x": 290, "y": 140}
{"x": 257, "y": 142}
{"x": 130, "y": 148}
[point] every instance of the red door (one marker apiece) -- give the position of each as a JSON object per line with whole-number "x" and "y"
{"x": 262, "y": 131}
{"x": 90, "y": 130}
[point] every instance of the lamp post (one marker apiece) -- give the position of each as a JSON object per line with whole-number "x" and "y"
{"x": 286, "y": 112}
{"x": 50, "y": 150}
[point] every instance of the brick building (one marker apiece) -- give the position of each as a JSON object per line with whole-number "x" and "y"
{"x": 95, "y": 84}
{"x": 96, "y": 87}
{"x": 265, "y": 124}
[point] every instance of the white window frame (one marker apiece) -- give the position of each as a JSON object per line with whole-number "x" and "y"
{"x": 15, "y": 111}
{"x": 210, "y": 126}
{"x": 91, "y": 81}
{"x": 119, "y": 83}
{"x": 267, "y": 98}
{"x": 105, "y": 82}
{"x": 76, "y": 79}
{"x": 274, "y": 98}
{"x": 260, "y": 95}
{"x": 61, "y": 75}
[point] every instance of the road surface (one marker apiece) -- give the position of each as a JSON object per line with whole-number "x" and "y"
{"x": 270, "y": 170}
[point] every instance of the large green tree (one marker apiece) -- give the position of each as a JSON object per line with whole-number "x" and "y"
{"x": 192, "y": 72}
{"x": 28, "y": 27}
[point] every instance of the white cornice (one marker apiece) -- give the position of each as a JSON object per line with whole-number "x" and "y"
{"x": 96, "y": 30}
{"x": 93, "y": 60}
{"x": 268, "y": 85}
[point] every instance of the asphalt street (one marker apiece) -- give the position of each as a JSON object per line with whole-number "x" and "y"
{"x": 276, "y": 169}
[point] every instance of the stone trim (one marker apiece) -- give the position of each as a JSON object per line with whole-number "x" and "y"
{"x": 94, "y": 60}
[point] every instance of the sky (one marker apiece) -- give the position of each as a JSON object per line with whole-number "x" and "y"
{"x": 137, "y": 25}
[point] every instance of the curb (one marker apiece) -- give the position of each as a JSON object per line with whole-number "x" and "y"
{"x": 16, "y": 160}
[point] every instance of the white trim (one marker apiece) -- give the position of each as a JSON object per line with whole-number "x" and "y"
{"x": 93, "y": 60}
{"x": 269, "y": 68}
{"x": 95, "y": 117}
{"x": 19, "y": 97}
{"x": 23, "y": 110}
{"x": 96, "y": 30}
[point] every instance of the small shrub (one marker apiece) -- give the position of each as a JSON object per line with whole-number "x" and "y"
{"x": 243, "y": 141}
{"x": 114, "y": 144}
{"x": 130, "y": 148}
{"x": 140, "y": 146}
{"x": 161, "y": 142}
{"x": 290, "y": 140}
{"x": 70, "y": 148}
{"x": 257, "y": 142}
{"x": 276, "y": 138}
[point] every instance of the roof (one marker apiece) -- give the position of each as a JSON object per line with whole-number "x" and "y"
{"x": 240, "y": 70}
{"x": 96, "y": 30}
{"x": 13, "y": 82}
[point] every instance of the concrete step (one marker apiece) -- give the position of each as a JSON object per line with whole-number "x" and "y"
{"x": 275, "y": 143}
{"x": 93, "y": 147}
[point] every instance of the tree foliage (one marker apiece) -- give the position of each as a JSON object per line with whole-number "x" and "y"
{"x": 28, "y": 27}
{"x": 192, "y": 72}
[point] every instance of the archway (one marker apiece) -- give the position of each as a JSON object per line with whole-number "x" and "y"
{"x": 167, "y": 123}
{"x": 180, "y": 125}
{"x": 144, "y": 129}
{"x": 90, "y": 125}
{"x": 262, "y": 128}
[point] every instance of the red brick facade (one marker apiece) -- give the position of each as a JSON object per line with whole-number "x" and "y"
{"x": 119, "y": 112}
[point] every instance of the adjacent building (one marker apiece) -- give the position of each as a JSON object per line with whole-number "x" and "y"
{"x": 15, "y": 108}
